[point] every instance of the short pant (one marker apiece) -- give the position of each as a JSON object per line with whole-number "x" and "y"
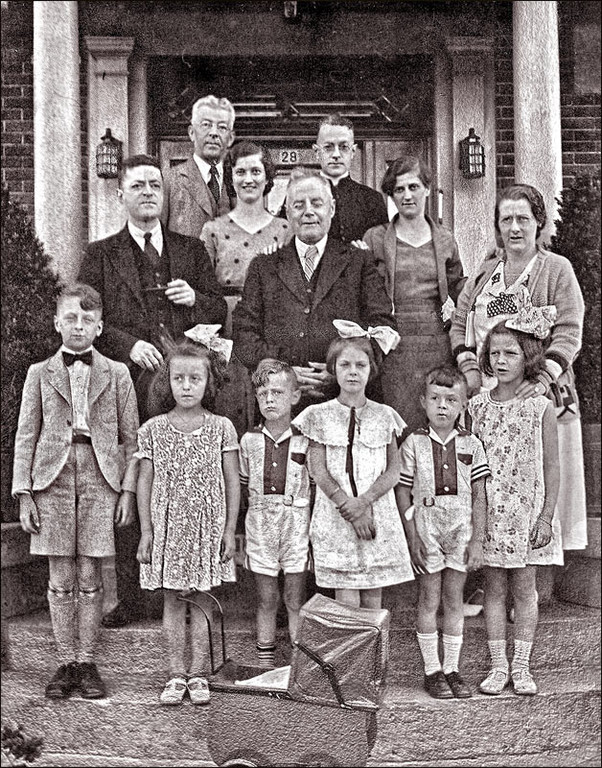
{"x": 445, "y": 531}
{"x": 77, "y": 510}
{"x": 277, "y": 536}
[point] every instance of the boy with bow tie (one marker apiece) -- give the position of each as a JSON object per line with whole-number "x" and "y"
{"x": 75, "y": 438}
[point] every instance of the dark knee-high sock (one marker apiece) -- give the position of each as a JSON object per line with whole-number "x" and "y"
{"x": 89, "y": 615}
{"x": 62, "y": 606}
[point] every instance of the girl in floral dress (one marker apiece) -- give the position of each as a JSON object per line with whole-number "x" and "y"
{"x": 188, "y": 499}
{"x": 356, "y": 533}
{"x": 522, "y": 530}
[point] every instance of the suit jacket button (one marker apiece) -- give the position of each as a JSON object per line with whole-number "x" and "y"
{"x": 307, "y": 310}
{"x": 301, "y": 335}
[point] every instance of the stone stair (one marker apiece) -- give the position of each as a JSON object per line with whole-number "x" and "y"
{"x": 558, "y": 727}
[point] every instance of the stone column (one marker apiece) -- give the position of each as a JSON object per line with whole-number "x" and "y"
{"x": 107, "y": 108}
{"x": 537, "y": 137}
{"x": 138, "y": 112}
{"x": 473, "y": 106}
{"x": 57, "y": 142}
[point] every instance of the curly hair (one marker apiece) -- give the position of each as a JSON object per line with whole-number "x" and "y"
{"x": 160, "y": 396}
{"x": 532, "y": 348}
{"x": 523, "y": 192}
{"x": 89, "y": 298}
{"x": 358, "y": 342}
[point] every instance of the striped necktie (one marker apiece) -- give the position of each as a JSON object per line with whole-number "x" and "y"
{"x": 309, "y": 263}
{"x": 214, "y": 183}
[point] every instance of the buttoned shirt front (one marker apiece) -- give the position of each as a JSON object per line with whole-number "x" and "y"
{"x": 79, "y": 382}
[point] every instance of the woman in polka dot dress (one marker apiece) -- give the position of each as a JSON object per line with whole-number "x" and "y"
{"x": 233, "y": 241}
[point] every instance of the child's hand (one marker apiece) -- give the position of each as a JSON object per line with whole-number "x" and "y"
{"x": 474, "y": 555}
{"x": 353, "y": 508}
{"x": 227, "y": 547}
{"x": 145, "y": 548}
{"x": 541, "y": 533}
{"x": 417, "y": 554}
{"x": 125, "y": 511}
{"x": 28, "y": 514}
{"x": 364, "y": 526}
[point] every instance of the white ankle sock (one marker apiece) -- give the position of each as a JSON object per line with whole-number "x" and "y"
{"x": 429, "y": 648}
{"x": 452, "y": 645}
{"x": 522, "y": 654}
{"x": 497, "y": 651}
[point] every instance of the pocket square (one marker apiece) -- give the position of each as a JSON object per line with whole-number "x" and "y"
{"x": 465, "y": 458}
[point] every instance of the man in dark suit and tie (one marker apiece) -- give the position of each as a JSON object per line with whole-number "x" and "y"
{"x": 155, "y": 284}
{"x": 291, "y": 297}
{"x": 196, "y": 191}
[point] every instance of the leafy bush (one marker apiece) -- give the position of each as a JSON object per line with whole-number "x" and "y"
{"x": 18, "y": 747}
{"x": 578, "y": 238}
{"x": 29, "y": 288}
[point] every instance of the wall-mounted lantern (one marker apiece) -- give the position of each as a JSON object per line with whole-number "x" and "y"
{"x": 472, "y": 156}
{"x": 108, "y": 156}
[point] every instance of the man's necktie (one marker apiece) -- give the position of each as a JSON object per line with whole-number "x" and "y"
{"x": 349, "y": 460}
{"x": 85, "y": 357}
{"x": 214, "y": 183}
{"x": 309, "y": 263}
{"x": 151, "y": 253}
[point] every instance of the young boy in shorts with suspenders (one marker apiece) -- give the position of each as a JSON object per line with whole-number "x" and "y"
{"x": 75, "y": 438}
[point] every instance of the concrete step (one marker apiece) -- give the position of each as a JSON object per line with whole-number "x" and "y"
{"x": 567, "y": 636}
{"x": 413, "y": 729}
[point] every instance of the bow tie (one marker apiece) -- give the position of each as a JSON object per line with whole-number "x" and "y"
{"x": 85, "y": 357}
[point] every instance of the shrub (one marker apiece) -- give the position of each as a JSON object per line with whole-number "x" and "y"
{"x": 578, "y": 238}
{"x": 29, "y": 288}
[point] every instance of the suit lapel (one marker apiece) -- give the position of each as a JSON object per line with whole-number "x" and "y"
{"x": 121, "y": 257}
{"x": 334, "y": 260}
{"x": 289, "y": 271}
{"x": 197, "y": 189}
{"x": 99, "y": 377}
{"x": 58, "y": 376}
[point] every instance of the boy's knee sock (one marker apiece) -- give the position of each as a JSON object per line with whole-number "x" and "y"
{"x": 497, "y": 651}
{"x": 522, "y": 654}
{"x": 429, "y": 648}
{"x": 62, "y": 616}
{"x": 89, "y": 611}
{"x": 266, "y": 654}
{"x": 452, "y": 645}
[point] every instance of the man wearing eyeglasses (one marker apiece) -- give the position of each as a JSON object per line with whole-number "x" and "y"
{"x": 357, "y": 207}
{"x": 196, "y": 191}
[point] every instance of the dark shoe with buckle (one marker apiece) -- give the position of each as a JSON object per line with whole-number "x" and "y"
{"x": 64, "y": 681}
{"x": 120, "y": 616}
{"x": 436, "y": 686}
{"x": 458, "y": 686}
{"x": 90, "y": 684}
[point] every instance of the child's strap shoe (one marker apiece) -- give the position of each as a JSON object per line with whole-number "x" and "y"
{"x": 198, "y": 688}
{"x": 523, "y": 682}
{"x": 495, "y": 682}
{"x": 174, "y": 691}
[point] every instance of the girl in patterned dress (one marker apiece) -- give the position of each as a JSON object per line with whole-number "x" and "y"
{"x": 188, "y": 499}
{"x": 522, "y": 530}
{"x": 356, "y": 533}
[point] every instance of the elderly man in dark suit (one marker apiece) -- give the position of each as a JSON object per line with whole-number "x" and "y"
{"x": 197, "y": 190}
{"x": 291, "y": 297}
{"x": 155, "y": 284}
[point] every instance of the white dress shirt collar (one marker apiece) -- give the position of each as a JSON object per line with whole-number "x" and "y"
{"x": 434, "y": 436}
{"x": 156, "y": 236}
{"x": 205, "y": 169}
{"x": 302, "y": 247}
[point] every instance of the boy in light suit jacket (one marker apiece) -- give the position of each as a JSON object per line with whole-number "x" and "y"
{"x": 75, "y": 438}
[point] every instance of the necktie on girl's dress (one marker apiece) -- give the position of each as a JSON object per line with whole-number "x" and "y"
{"x": 349, "y": 459}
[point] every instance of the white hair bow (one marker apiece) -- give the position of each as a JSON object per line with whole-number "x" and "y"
{"x": 386, "y": 338}
{"x": 207, "y": 336}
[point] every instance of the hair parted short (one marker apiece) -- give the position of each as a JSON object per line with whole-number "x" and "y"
{"x": 134, "y": 161}
{"x": 523, "y": 192}
{"x": 215, "y": 103}
{"x": 358, "y": 342}
{"x": 336, "y": 119}
{"x": 405, "y": 164}
{"x": 248, "y": 148}
{"x": 271, "y": 367}
{"x": 89, "y": 298}
{"x": 533, "y": 350}
{"x": 301, "y": 173}
{"x": 445, "y": 376}
{"x": 160, "y": 397}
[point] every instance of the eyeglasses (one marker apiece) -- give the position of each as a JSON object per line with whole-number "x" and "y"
{"x": 330, "y": 149}
{"x": 207, "y": 125}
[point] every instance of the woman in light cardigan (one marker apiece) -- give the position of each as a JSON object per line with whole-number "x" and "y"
{"x": 522, "y": 271}
{"x": 423, "y": 276}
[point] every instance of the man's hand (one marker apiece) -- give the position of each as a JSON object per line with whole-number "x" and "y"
{"x": 361, "y": 244}
{"x": 474, "y": 380}
{"x": 146, "y": 355}
{"x": 125, "y": 511}
{"x": 28, "y": 514}
{"x": 180, "y": 292}
{"x": 313, "y": 379}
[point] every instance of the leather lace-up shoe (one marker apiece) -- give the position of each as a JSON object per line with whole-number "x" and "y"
{"x": 90, "y": 684}
{"x": 436, "y": 686}
{"x": 458, "y": 686}
{"x": 64, "y": 681}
